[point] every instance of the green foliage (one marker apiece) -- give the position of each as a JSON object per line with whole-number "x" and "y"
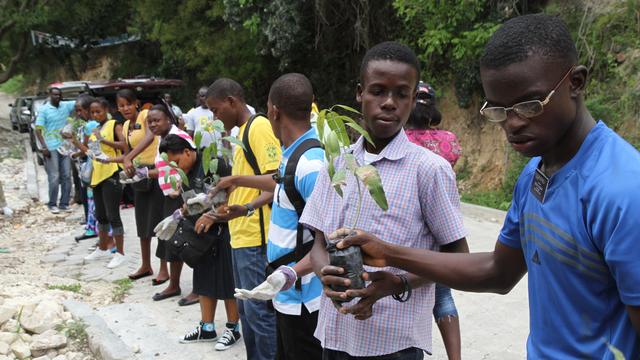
{"x": 15, "y": 86}
{"x": 333, "y": 135}
{"x": 75, "y": 330}
{"x": 66, "y": 287}
{"x": 122, "y": 289}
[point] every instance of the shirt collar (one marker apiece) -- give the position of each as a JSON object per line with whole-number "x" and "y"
{"x": 310, "y": 134}
{"x": 395, "y": 150}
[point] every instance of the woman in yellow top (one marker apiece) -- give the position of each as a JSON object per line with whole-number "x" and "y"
{"x": 141, "y": 147}
{"x": 107, "y": 191}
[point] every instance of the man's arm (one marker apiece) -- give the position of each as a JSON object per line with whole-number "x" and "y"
{"x": 45, "y": 150}
{"x": 498, "y": 271}
{"x": 634, "y": 315}
{"x": 261, "y": 182}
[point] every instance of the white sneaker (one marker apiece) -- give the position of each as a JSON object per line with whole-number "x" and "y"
{"x": 98, "y": 254}
{"x": 117, "y": 260}
{"x": 54, "y": 209}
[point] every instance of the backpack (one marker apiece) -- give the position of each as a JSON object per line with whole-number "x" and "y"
{"x": 289, "y": 185}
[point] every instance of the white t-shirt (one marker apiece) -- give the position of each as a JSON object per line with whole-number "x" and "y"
{"x": 199, "y": 119}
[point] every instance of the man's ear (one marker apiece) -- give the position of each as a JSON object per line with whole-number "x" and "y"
{"x": 578, "y": 79}
{"x": 359, "y": 93}
{"x": 276, "y": 112}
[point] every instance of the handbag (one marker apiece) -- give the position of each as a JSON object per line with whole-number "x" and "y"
{"x": 86, "y": 170}
{"x": 191, "y": 247}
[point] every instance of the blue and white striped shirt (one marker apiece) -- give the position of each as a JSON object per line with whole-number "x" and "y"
{"x": 284, "y": 224}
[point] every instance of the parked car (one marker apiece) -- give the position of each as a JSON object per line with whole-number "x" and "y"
{"x": 20, "y": 114}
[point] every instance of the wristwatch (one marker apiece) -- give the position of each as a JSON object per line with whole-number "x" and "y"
{"x": 250, "y": 209}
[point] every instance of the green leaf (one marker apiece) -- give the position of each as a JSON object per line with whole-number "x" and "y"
{"x": 213, "y": 166}
{"x": 166, "y": 176}
{"x": 183, "y": 177}
{"x": 337, "y": 126}
{"x": 234, "y": 140}
{"x": 198, "y": 139}
{"x": 338, "y": 180}
{"x": 214, "y": 149}
{"x": 218, "y": 126}
{"x": 320, "y": 125}
{"x": 331, "y": 168}
{"x": 369, "y": 175}
{"x": 206, "y": 158}
{"x": 173, "y": 164}
{"x": 617, "y": 354}
{"x": 345, "y": 107}
{"x": 164, "y": 157}
{"x": 174, "y": 185}
{"x": 332, "y": 146}
{"x": 351, "y": 162}
{"x": 354, "y": 125}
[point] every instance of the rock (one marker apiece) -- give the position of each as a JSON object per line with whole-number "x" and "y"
{"x": 52, "y": 353}
{"x": 59, "y": 357}
{"x": 25, "y": 337}
{"x": 6, "y": 313}
{"x": 20, "y": 349}
{"x": 66, "y": 316}
{"x": 49, "y": 339}
{"x": 72, "y": 355}
{"x": 44, "y": 357}
{"x": 5, "y": 348}
{"x": 8, "y": 337}
{"x": 11, "y": 326}
{"x": 46, "y": 315}
{"x": 5, "y": 357}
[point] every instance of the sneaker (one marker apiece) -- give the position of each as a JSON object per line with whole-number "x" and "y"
{"x": 54, "y": 209}
{"x": 199, "y": 335}
{"x": 66, "y": 209}
{"x": 117, "y": 260}
{"x": 228, "y": 338}
{"x": 98, "y": 254}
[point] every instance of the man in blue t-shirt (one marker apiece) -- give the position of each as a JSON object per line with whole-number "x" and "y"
{"x": 573, "y": 220}
{"x": 289, "y": 110}
{"x": 51, "y": 119}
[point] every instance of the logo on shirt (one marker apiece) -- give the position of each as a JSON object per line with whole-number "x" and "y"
{"x": 536, "y": 258}
{"x": 272, "y": 152}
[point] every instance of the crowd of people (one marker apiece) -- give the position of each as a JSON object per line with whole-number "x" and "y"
{"x": 254, "y": 225}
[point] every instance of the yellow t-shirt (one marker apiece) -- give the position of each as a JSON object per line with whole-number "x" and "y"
{"x": 104, "y": 171}
{"x": 245, "y": 231}
{"x": 135, "y": 136}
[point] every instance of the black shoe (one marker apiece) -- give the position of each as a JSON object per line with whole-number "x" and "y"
{"x": 228, "y": 338}
{"x": 85, "y": 236}
{"x": 199, "y": 335}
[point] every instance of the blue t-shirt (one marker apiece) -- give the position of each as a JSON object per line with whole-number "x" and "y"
{"x": 52, "y": 119}
{"x": 582, "y": 250}
{"x": 284, "y": 224}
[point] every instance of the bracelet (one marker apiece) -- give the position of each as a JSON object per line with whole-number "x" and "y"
{"x": 405, "y": 295}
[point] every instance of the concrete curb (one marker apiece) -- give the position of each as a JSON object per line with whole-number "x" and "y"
{"x": 31, "y": 172}
{"x": 483, "y": 213}
{"x": 102, "y": 341}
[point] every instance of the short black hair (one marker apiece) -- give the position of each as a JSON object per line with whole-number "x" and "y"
{"x": 55, "y": 89}
{"x": 102, "y": 101}
{"x": 424, "y": 115}
{"x": 166, "y": 110}
{"x": 390, "y": 50}
{"x": 127, "y": 94}
{"x": 292, "y": 93}
{"x": 173, "y": 143}
{"x": 224, "y": 87}
{"x": 533, "y": 34}
{"x": 85, "y": 100}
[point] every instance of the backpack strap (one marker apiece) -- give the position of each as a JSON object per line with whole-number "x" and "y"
{"x": 253, "y": 162}
{"x": 289, "y": 184}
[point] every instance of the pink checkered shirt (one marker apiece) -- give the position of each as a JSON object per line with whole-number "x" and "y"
{"x": 424, "y": 212}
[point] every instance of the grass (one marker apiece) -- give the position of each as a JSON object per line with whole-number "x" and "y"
{"x": 14, "y": 86}
{"x": 122, "y": 289}
{"x": 75, "y": 330}
{"x": 496, "y": 199}
{"x": 72, "y": 287}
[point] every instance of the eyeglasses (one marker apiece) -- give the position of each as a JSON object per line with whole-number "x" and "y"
{"x": 527, "y": 109}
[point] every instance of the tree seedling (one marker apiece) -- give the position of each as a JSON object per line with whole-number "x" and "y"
{"x": 332, "y": 131}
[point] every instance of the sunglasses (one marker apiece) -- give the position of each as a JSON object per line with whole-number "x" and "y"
{"x": 526, "y": 109}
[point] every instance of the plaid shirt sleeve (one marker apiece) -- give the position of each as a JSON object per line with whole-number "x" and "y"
{"x": 440, "y": 202}
{"x": 312, "y": 216}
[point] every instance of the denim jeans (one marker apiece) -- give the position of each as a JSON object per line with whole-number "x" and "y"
{"x": 406, "y": 354}
{"x": 58, "y": 168}
{"x": 257, "y": 319}
{"x": 444, "y": 305}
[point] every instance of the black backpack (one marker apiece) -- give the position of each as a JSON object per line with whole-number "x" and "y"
{"x": 288, "y": 182}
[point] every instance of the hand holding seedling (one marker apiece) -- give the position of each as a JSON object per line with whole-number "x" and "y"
{"x": 373, "y": 249}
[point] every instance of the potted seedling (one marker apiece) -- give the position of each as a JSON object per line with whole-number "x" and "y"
{"x": 210, "y": 167}
{"x": 332, "y": 131}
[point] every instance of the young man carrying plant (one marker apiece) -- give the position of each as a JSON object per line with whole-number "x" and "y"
{"x": 247, "y": 211}
{"x": 296, "y": 304}
{"x": 423, "y": 213}
{"x": 573, "y": 221}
